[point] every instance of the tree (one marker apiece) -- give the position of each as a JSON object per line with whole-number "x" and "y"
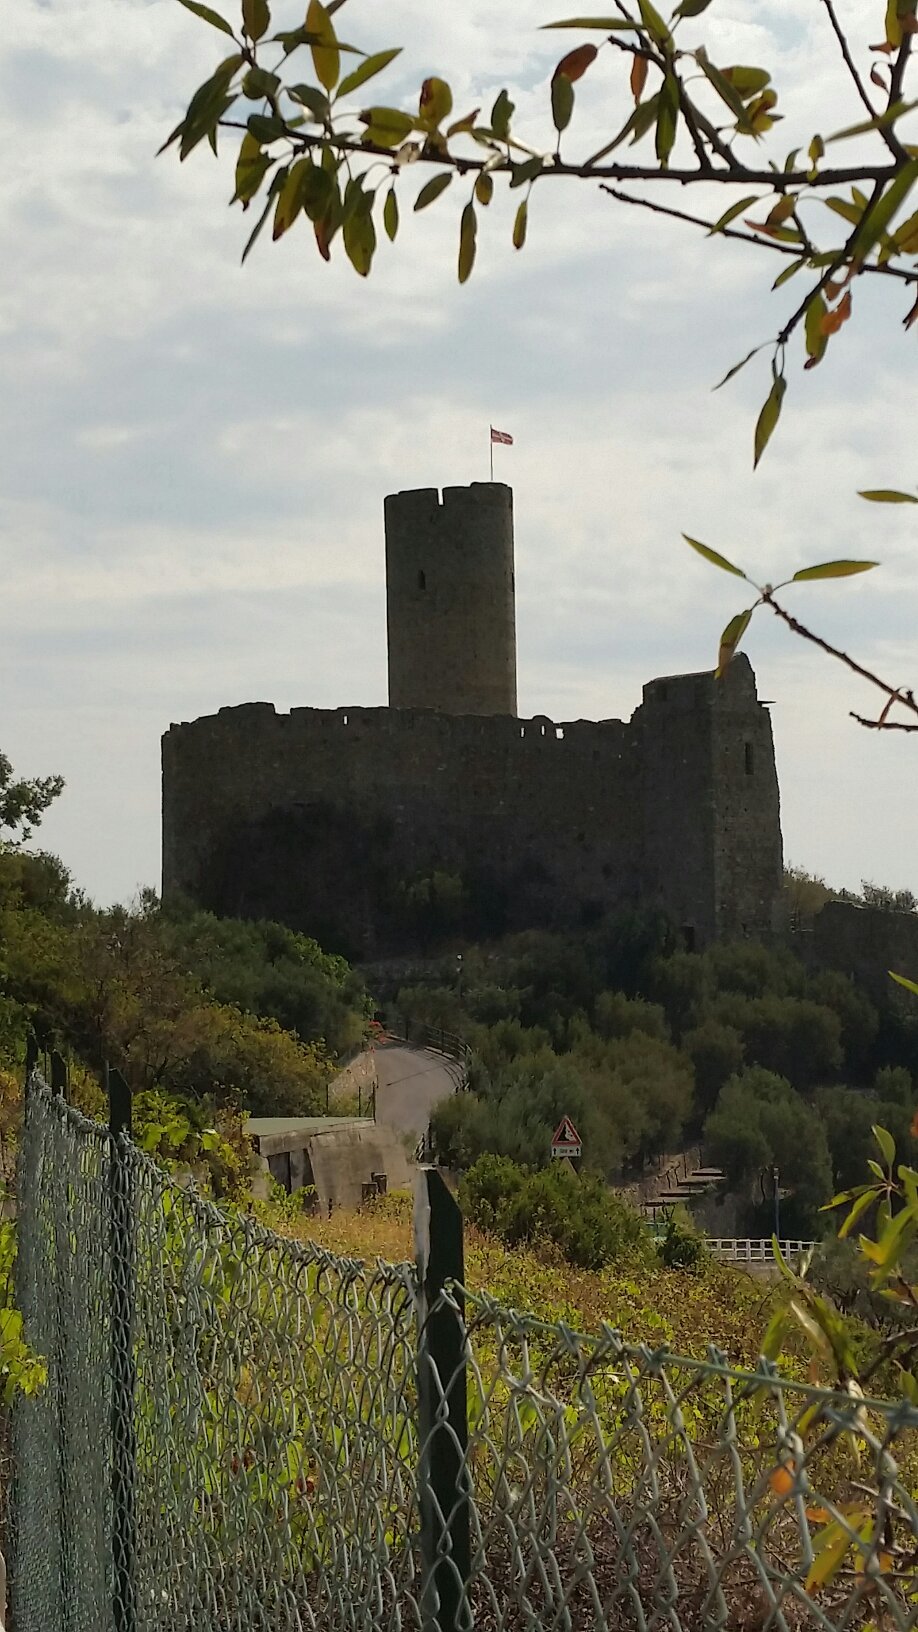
{"x": 759, "y": 1122}
{"x": 316, "y": 154}
{"x": 24, "y": 802}
{"x": 321, "y": 156}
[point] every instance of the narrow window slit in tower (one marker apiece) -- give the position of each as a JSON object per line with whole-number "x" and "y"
{"x": 422, "y": 580}
{"x": 750, "y": 758}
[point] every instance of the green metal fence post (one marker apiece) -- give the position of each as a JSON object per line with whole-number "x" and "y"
{"x": 443, "y": 1482}
{"x": 58, "y": 1074}
{"x": 124, "y": 1439}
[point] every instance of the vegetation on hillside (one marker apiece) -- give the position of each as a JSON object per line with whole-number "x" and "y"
{"x": 769, "y": 1061}
{"x": 207, "y": 1019}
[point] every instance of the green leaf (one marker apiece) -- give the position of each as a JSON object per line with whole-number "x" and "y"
{"x": 833, "y": 569}
{"x": 266, "y": 127}
{"x": 877, "y": 216}
{"x": 860, "y": 1206}
{"x": 484, "y": 188}
{"x": 886, "y": 1143}
{"x": 747, "y": 82}
{"x": 562, "y": 101}
{"x": 737, "y": 366}
{"x": 527, "y": 171}
{"x": 390, "y": 215}
{"x": 712, "y": 556}
{"x": 902, "y": 980}
{"x": 692, "y": 8}
{"x": 290, "y": 197}
{"x": 607, "y": 24}
{"x": 367, "y": 70}
{"x": 359, "y": 232}
{"x": 309, "y": 96}
{"x": 880, "y": 122}
{"x": 468, "y": 232}
{"x": 845, "y": 208}
{"x": 519, "y": 225}
{"x": 501, "y": 114}
{"x": 887, "y": 495}
{"x": 209, "y": 16}
{"x": 252, "y": 165}
{"x": 654, "y": 23}
{"x": 259, "y": 83}
{"x": 730, "y": 640}
{"x": 816, "y": 341}
{"x": 770, "y": 1346}
{"x": 436, "y": 103}
{"x": 256, "y": 18}
{"x": 326, "y": 59}
{"x": 432, "y": 189}
{"x": 732, "y": 213}
{"x": 723, "y": 88}
{"x": 277, "y": 182}
{"x": 387, "y": 127}
{"x": 789, "y": 272}
{"x": 768, "y": 418}
{"x": 667, "y": 118}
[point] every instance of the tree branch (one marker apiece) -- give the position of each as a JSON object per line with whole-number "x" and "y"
{"x": 795, "y": 251}
{"x": 849, "y": 61}
{"x": 894, "y": 693}
{"x": 737, "y": 175}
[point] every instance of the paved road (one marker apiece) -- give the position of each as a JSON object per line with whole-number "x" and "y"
{"x": 411, "y": 1081}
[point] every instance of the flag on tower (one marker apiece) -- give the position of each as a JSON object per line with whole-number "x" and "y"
{"x": 502, "y": 436}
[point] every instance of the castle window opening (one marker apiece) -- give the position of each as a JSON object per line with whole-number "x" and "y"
{"x": 750, "y": 758}
{"x": 559, "y": 732}
{"x": 422, "y": 580}
{"x": 522, "y": 730}
{"x": 688, "y": 937}
{"x": 344, "y": 719}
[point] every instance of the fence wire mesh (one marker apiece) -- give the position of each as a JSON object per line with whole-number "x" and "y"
{"x": 229, "y": 1441}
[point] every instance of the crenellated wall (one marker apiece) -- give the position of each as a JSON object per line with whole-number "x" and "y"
{"x": 318, "y": 817}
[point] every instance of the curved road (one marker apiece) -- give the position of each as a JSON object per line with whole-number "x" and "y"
{"x": 410, "y": 1082}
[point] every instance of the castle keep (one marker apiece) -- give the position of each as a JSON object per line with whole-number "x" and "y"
{"x": 338, "y": 822}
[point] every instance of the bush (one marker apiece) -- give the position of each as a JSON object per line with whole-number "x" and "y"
{"x": 616, "y": 1015}
{"x": 578, "y": 1215}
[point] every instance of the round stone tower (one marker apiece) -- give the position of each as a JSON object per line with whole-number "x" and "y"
{"x": 450, "y": 599}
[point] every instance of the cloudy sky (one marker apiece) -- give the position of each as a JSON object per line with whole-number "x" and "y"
{"x": 194, "y": 454}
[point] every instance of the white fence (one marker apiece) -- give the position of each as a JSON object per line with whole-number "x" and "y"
{"x": 737, "y": 1250}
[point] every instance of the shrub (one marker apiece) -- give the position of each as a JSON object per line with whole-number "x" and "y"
{"x": 577, "y": 1214}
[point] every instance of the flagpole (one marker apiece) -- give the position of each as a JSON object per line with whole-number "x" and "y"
{"x": 491, "y": 446}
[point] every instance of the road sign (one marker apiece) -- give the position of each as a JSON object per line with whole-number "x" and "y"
{"x": 566, "y": 1141}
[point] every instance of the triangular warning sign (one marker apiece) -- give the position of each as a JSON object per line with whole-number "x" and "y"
{"x": 565, "y": 1133}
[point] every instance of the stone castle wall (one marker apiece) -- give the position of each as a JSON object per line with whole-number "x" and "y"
{"x": 318, "y": 817}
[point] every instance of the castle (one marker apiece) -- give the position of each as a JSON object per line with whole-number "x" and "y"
{"x": 335, "y": 821}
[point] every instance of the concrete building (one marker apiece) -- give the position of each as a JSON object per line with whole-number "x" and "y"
{"x": 337, "y": 821}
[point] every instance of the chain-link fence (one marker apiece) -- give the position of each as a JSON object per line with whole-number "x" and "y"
{"x": 244, "y": 1433}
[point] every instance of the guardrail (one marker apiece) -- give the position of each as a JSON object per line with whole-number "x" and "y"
{"x": 745, "y": 1250}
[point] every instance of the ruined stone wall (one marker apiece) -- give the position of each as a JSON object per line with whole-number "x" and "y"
{"x": 316, "y": 816}
{"x": 712, "y": 853}
{"x": 866, "y": 942}
{"x": 319, "y": 818}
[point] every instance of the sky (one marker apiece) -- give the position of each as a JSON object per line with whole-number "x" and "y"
{"x": 194, "y": 454}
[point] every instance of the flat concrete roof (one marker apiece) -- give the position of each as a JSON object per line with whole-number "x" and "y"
{"x": 274, "y": 1134}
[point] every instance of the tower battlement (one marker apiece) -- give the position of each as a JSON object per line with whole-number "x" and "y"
{"x": 450, "y": 599}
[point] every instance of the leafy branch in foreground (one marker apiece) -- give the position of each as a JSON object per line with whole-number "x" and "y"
{"x": 737, "y": 626}
{"x": 314, "y": 150}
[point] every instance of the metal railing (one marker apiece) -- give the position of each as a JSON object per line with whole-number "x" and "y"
{"x": 240, "y": 1430}
{"x": 747, "y": 1250}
